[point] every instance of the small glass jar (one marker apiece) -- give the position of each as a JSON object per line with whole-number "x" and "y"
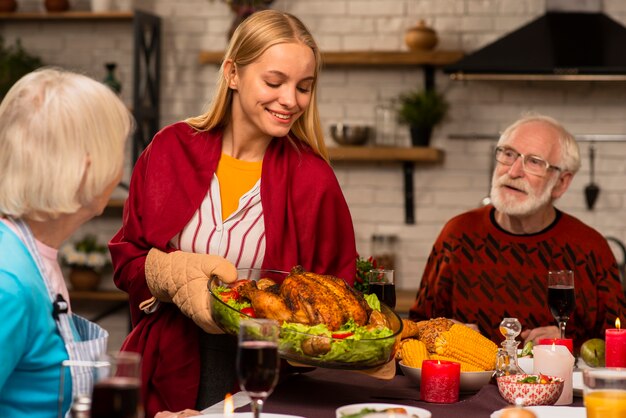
{"x": 386, "y": 123}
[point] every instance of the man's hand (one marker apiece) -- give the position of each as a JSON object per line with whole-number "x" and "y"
{"x": 537, "y": 334}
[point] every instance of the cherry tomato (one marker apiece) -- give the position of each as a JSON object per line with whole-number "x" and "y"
{"x": 230, "y": 294}
{"x": 342, "y": 335}
{"x": 249, "y": 311}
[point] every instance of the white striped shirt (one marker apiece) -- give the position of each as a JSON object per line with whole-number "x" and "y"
{"x": 240, "y": 238}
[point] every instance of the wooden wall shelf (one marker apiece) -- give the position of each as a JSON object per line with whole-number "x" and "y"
{"x": 366, "y": 58}
{"x": 407, "y": 156}
{"x": 102, "y": 295}
{"x": 71, "y": 15}
{"x": 382, "y": 154}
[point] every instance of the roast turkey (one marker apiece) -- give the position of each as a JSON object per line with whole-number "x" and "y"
{"x": 308, "y": 298}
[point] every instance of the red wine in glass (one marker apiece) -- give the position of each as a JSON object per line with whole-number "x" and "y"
{"x": 386, "y": 293}
{"x": 561, "y": 300}
{"x": 561, "y": 296}
{"x": 257, "y": 367}
{"x": 117, "y": 397}
{"x": 257, "y": 359}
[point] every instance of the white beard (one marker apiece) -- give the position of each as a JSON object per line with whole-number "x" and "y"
{"x": 512, "y": 206}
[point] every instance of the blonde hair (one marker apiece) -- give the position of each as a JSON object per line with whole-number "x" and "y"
{"x": 251, "y": 39}
{"x": 570, "y": 153}
{"x": 62, "y": 142}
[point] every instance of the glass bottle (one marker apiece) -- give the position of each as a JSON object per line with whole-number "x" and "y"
{"x": 386, "y": 122}
{"x": 506, "y": 360}
{"x": 110, "y": 79}
{"x": 81, "y": 407}
{"x": 384, "y": 251}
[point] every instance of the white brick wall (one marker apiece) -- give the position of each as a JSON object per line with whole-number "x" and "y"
{"x": 375, "y": 191}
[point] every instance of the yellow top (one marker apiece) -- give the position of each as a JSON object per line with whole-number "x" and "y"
{"x": 236, "y": 178}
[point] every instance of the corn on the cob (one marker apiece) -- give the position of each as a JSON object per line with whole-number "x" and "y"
{"x": 465, "y": 367}
{"x": 464, "y": 344}
{"x": 413, "y": 353}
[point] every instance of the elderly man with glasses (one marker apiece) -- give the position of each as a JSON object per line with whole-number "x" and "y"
{"x": 493, "y": 262}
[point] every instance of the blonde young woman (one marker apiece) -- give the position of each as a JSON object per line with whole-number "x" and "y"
{"x": 247, "y": 182}
{"x": 62, "y": 140}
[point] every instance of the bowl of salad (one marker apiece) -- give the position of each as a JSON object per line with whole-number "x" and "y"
{"x": 350, "y": 346}
{"x": 534, "y": 389}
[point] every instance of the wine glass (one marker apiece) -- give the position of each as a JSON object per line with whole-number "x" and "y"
{"x": 381, "y": 283}
{"x": 257, "y": 360}
{"x": 117, "y": 383}
{"x": 561, "y": 296}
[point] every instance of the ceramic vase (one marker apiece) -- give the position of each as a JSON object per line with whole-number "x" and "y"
{"x": 111, "y": 79}
{"x": 57, "y": 5}
{"x": 420, "y": 37}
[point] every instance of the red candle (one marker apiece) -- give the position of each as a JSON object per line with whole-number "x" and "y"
{"x": 440, "y": 381}
{"x": 615, "y": 350}
{"x": 567, "y": 342}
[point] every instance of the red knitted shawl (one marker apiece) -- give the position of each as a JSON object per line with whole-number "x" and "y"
{"x": 307, "y": 222}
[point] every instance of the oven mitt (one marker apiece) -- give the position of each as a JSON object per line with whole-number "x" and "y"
{"x": 182, "y": 278}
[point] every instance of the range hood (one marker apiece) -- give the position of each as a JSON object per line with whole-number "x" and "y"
{"x": 555, "y": 46}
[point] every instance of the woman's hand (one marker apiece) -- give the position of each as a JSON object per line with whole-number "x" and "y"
{"x": 180, "y": 414}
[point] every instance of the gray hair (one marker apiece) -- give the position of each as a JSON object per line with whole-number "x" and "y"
{"x": 62, "y": 142}
{"x": 570, "y": 153}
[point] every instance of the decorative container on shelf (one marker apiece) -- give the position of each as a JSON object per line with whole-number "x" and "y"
{"x": 57, "y": 5}
{"x": 8, "y": 6}
{"x": 421, "y": 37}
{"x": 84, "y": 278}
{"x": 111, "y": 79}
{"x": 100, "y": 6}
{"x": 86, "y": 259}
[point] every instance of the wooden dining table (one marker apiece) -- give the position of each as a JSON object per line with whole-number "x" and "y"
{"x": 318, "y": 393}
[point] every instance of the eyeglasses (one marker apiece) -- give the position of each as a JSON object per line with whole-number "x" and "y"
{"x": 530, "y": 163}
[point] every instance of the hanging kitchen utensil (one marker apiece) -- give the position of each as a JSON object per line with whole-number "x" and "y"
{"x": 591, "y": 190}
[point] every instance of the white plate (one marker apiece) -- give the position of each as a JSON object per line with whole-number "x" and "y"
{"x": 248, "y": 415}
{"x": 470, "y": 381}
{"x": 552, "y": 412}
{"x": 358, "y": 407}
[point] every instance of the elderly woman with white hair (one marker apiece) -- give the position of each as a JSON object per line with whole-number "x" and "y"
{"x": 62, "y": 142}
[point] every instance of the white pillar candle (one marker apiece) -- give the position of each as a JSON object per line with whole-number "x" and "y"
{"x": 556, "y": 360}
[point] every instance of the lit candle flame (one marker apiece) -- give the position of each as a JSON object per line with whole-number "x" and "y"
{"x": 617, "y": 323}
{"x": 229, "y": 407}
{"x": 553, "y": 345}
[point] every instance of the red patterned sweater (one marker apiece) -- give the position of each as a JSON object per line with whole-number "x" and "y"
{"x": 479, "y": 273}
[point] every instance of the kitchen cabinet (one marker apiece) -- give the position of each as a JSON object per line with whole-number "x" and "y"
{"x": 146, "y": 60}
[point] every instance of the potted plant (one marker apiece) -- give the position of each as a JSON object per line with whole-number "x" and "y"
{"x": 15, "y": 62}
{"x": 422, "y": 110}
{"x": 86, "y": 259}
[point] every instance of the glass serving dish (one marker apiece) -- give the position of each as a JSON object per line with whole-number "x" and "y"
{"x": 340, "y": 352}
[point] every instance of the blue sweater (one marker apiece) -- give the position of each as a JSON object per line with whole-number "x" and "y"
{"x": 31, "y": 347}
